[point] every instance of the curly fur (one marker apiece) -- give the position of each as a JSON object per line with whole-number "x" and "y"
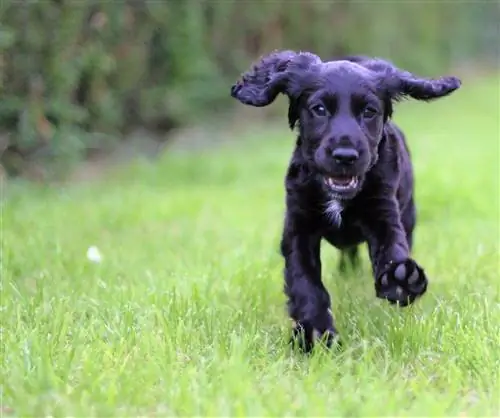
{"x": 343, "y": 110}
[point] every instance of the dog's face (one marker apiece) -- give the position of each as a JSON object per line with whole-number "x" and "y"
{"x": 341, "y": 107}
{"x": 341, "y": 116}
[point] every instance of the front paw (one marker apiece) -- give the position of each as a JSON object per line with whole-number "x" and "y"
{"x": 305, "y": 335}
{"x": 402, "y": 283}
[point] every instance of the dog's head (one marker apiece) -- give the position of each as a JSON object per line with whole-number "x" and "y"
{"x": 341, "y": 107}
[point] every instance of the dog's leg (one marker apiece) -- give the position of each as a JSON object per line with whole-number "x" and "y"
{"x": 308, "y": 300}
{"x": 398, "y": 278}
{"x": 408, "y": 218}
{"x": 351, "y": 256}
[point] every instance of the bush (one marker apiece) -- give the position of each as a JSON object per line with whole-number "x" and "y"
{"x": 77, "y": 76}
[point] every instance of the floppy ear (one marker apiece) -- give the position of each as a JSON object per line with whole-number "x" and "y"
{"x": 400, "y": 84}
{"x": 270, "y": 76}
{"x": 293, "y": 113}
{"x": 404, "y": 84}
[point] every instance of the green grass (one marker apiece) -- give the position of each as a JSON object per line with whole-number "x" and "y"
{"x": 185, "y": 315}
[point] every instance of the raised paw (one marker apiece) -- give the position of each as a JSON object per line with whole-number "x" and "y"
{"x": 402, "y": 283}
{"x": 306, "y": 337}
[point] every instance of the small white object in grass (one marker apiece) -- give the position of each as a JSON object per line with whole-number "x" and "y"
{"x": 94, "y": 255}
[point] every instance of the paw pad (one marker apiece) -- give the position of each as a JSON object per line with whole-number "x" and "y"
{"x": 402, "y": 283}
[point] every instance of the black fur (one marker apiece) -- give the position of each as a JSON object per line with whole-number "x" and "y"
{"x": 343, "y": 110}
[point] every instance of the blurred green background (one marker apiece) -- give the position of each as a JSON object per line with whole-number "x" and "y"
{"x": 185, "y": 313}
{"x": 79, "y": 78}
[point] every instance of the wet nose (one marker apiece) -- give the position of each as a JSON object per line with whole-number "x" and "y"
{"x": 345, "y": 155}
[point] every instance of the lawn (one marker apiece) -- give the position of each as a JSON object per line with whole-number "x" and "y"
{"x": 185, "y": 316}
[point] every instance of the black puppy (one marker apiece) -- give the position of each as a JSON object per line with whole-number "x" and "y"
{"x": 350, "y": 178}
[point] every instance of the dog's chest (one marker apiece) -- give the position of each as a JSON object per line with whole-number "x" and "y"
{"x": 340, "y": 228}
{"x": 333, "y": 212}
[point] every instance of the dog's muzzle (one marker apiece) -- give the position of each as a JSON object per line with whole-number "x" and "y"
{"x": 341, "y": 184}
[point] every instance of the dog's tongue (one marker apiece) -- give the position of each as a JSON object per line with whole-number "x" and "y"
{"x": 342, "y": 181}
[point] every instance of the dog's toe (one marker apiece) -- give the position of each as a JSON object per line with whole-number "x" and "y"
{"x": 307, "y": 337}
{"x": 400, "y": 272}
{"x": 413, "y": 278}
{"x": 329, "y": 338}
{"x": 402, "y": 283}
{"x": 384, "y": 281}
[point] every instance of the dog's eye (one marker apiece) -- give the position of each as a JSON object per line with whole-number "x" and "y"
{"x": 369, "y": 112}
{"x": 319, "y": 110}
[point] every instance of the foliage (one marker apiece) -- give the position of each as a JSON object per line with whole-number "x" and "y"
{"x": 79, "y": 75}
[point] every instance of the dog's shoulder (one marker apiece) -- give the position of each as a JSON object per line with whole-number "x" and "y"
{"x": 393, "y": 149}
{"x": 297, "y": 174}
{"x": 393, "y": 132}
{"x": 393, "y": 172}
{"x": 304, "y": 194}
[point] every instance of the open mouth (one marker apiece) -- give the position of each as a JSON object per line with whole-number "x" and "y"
{"x": 341, "y": 184}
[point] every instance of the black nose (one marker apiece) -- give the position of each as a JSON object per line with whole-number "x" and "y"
{"x": 345, "y": 155}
